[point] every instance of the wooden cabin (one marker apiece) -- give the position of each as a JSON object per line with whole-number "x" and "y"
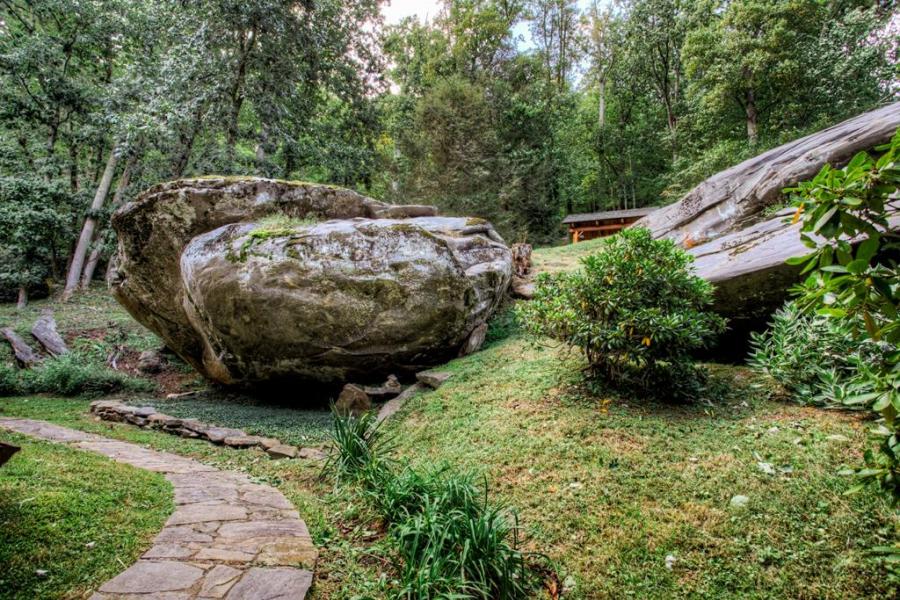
{"x": 587, "y": 226}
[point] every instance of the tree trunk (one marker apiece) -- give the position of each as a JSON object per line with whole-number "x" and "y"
{"x": 118, "y": 196}
{"x": 87, "y": 231}
{"x": 601, "y": 112}
{"x": 22, "y": 301}
{"x": 752, "y": 116}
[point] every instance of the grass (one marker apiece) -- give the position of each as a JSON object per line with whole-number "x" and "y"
{"x": 610, "y": 487}
{"x": 564, "y": 258}
{"x": 67, "y": 512}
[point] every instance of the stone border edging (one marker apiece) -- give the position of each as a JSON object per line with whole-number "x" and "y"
{"x": 148, "y": 418}
{"x": 228, "y": 537}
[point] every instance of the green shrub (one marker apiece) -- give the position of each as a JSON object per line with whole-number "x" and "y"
{"x": 68, "y": 375}
{"x": 859, "y": 285}
{"x": 451, "y": 541}
{"x": 812, "y": 355}
{"x": 635, "y": 309}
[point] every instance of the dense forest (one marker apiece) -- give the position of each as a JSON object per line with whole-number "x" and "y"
{"x": 518, "y": 111}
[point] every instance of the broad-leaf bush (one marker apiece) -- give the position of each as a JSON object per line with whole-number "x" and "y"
{"x": 853, "y": 277}
{"x": 635, "y": 309}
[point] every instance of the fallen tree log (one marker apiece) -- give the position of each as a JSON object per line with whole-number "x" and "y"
{"x": 44, "y": 331}
{"x": 25, "y": 355}
{"x": 736, "y": 198}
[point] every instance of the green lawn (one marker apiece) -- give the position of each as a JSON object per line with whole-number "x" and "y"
{"x": 70, "y": 520}
{"x": 610, "y": 487}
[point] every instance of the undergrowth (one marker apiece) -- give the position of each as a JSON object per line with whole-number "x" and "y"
{"x": 451, "y": 539}
{"x": 68, "y": 375}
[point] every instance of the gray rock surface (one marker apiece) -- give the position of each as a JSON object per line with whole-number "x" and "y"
{"x": 340, "y": 287}
{"x": 736, "y": 198}
{"x": 724, "y": 224}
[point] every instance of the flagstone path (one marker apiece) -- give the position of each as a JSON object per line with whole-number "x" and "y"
{"x": 228, "y": 537}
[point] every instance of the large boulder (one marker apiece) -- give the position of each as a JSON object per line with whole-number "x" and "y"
{"x": 255, "y": 281}
{"x": 738, "y": 197}
{"x": 725, "y": 221}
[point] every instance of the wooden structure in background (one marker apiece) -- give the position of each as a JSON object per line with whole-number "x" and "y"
{"x": 587, "y": 226}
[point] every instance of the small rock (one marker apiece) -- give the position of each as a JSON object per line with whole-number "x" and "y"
{"x": 266, "y": 443}
{"x": 389, "y": 389}
{"x": 772, "y": 430}
{"x": 475, "y": 340}
{"x": 521, "y": 288}
{"x": 283, "y": 451}
{"x": 837, "y": 438}
{"x": 433, "y": 379}
{"x": 150, "y": 362}
{"x": 766, "y": 468}
{"x": 242, "y": 441}
{"x": 144, "y": 411}
{"x": 217, "y": 435}
{"x": 576, "y": 485}
{"x": 40, "y": 572}
{"x": 569, "y": 584}
{"x": 162, "y": 420}
{"x": 352, "y": 401}
{"x": 739, "y": 501}
{"x": 90, "y": 545}
{"x": 312, "y": 454}
{"x": 670, "y": 561}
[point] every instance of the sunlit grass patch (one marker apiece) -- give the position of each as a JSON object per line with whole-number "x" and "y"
{"x": 69, "y": 520}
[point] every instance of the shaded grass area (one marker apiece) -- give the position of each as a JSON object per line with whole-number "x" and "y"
{"x": 299, "y": 427}
{"x": 75, "y": 515}
{"x": 610, "y": 487}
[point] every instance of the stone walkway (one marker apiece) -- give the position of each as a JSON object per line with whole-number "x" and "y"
{"x": 228, "y": 537}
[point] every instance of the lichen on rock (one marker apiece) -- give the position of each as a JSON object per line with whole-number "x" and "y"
{"x": 254, "y": 280}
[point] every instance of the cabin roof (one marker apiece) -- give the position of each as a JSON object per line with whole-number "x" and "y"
{"x": 610, "y": 214}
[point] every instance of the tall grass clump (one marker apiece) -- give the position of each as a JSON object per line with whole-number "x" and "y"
{"x": 451, "y": 539}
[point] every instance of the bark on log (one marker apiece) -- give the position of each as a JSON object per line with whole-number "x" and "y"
{"x": 25, "y": 356}
{"x": 44, "y": 331}
{"x": 736, "y": 197}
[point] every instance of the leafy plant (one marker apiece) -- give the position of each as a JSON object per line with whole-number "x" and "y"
{"x": 359, "y": 445}
{"x": 68, "y": 375}
{"x": 854, "y": 277}
{"x": 811, "y": 355}
{"x": 635, "y": 309}
{"x": 450, "y": 540}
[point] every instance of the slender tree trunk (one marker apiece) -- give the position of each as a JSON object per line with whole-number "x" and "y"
{"x": 22, "y": 301}
{"x": 97, "y": 252}
{"x": 752, "y": 117}
{"x": 601, "y": 111}
{"x": 87, "y": 231}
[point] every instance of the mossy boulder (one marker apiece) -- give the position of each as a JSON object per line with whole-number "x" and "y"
{"x": 255, "y": 281}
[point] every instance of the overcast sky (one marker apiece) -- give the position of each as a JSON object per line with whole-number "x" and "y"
{"x": 427, "y": 9}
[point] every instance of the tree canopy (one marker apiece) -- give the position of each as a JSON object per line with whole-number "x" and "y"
{"x": 518, "y": 111}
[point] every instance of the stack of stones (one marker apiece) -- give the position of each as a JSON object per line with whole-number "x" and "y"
{"x": 147, "y": 417}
